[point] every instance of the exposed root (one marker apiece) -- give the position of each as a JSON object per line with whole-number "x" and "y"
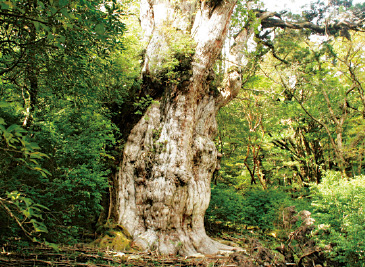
{"x": 182, "y": 243}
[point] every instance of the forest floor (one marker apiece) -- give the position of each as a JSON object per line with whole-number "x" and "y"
{"x": 84, "y": 255}
{"x": 87, "y": 255}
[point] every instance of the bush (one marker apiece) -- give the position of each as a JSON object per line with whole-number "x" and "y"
{"x": 53, "y": 175}
{"x": 262, "y": 207}
{"x": 339, "y": 212}
{"x": 225, "y": 206}
{"x": 255, "y": 207}
{"x": 76, "y": 141}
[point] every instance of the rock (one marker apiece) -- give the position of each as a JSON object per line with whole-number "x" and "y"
{"x": 289, "y": 217}
{"x": 304, "y": 214}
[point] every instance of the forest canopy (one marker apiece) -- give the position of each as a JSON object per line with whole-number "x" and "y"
{"x": 79, "y": 79}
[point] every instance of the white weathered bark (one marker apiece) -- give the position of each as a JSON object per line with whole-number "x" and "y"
{"x": 163, "y": 186}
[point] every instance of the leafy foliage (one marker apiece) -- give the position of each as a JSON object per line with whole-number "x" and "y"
{"x": 339, "y": 212}
{"x": 254, "y": 208}
{"x": 77, "y": 142}
{"x": 63, "y": 72}
{"x": 299, "y": 116}
{"x": 19, "y": 155}
{"x": 301, "y": 113}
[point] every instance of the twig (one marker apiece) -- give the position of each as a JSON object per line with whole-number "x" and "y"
{"x": 11, "y": 214}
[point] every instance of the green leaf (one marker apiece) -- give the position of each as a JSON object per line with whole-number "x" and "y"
{"x": 100, "y": 29}
{"x": 26, "y": 213}
{"x": 7, "y": 5}
{"x": 45, "y": 27}
{"x": 61, "y": 39}
{"x": 63, "y": 2}
{"x": 41, "y": 206}
{"x": 40, "y": 4}
{"x": 65, "y": 13}
{"x": 4, "y": 104}
{"x": 53, "y": 10}
{"x": 36, "y": 25}
{"x": 67, "y": 26}
{"x": 34, "y": 161}
{"x": 43, "y": 172}
{"x": 39, "y": 226}
{"x": 52, "y": 245}
{"x": 50, "y": 36}
{"x": 15, "y": 128}
{"x": 34, "y": 146}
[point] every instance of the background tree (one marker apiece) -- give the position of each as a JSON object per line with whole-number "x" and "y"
{"x": 62, "y": 70}
{"x": 296, "y": 121}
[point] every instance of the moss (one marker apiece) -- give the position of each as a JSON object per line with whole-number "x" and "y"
{"x": 115, "y": 240}
{"x": 177, "y": 57}
{"x": 124, "y": 231}
{"x": 113, "y": 236}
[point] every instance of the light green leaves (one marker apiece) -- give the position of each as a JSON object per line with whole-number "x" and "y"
{"x": 26, "y": 212}
{"x": 4, "y": 104}
{"x": 339, "y": 204}
{"x": 100, "y": 29}
{"x": 6, "y": 5}
{"x": 12, "y": 135}
{"x": 142, "y": 104}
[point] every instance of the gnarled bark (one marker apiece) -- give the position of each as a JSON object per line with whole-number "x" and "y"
{"x": 163, "y": 185}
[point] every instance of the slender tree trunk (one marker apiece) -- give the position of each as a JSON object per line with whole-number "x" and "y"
{"x": 31, "y": 71}
{"x": 162, "y": 189}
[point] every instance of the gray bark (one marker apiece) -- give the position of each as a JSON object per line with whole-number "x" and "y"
{"x": 163, "y": 185}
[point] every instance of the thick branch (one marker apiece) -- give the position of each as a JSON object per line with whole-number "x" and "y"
{"x": 279, "y": 23}
{"x": 274, "y": 20}
{"x": 233, "y": 81}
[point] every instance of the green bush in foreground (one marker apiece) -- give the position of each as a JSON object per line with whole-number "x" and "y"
{"x": 339, "y": 212}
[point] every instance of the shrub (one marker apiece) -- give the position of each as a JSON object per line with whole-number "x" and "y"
{"x": 54, "y": 175}
{"x": 225, "y": 206}
{"x": 255, "y": 207}
{"x": 339, "y": 212}
{"x": 262, "y": 207}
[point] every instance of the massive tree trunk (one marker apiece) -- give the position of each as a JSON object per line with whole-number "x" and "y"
{"x": 163, "y": 186}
